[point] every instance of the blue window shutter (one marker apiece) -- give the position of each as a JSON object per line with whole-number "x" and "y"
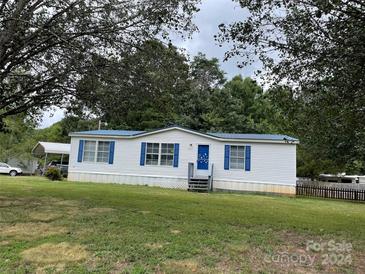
{"x": 227, "y": 149}
{"x": 176, "y": 155}
{"x": 111, "y": 152}
{"x": 248, "y": 158}
{"x": 143, "y": 154}
{"x": 81, "y": 151}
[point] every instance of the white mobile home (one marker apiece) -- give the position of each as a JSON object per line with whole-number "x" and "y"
{"x": 174, "y": 157}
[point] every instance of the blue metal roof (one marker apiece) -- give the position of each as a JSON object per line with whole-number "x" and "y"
{"x": 111, "y": 132}
{"x": 249, "y": 136}
{"x": 233, "y": 136}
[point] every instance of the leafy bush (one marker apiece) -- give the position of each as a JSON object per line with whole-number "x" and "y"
{"x": 53, "y": 174}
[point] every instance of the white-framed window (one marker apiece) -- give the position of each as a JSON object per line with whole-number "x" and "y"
{"x": 237, "y": 157}
{"x": 103, "y": 152}
{"x": 152, "y": 154}
{"x": 167, "y": 154}
{"x": 89, "y": 151}
{"x": 160, "y": 154}
{"x": 96, "y": 151}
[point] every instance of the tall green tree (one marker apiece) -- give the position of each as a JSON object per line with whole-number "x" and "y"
{"x": 317, "y": 48}
{"x": 140, "y": 91}
{"x": 303, "y": 41}
{"x": 205, "y": 77}
{"x": 13, "y": 141}
{"x": 326, "y": 146}
{"x": 240, "y": 106}
{"x": 45, "y": 45}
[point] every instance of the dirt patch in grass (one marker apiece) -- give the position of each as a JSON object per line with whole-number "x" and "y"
{"x": 182, "y": 266}
{"x": 85, "y": 232}
{"x": 359, "y": 261}
{"x": 145, "y": 212}
{"x": 286, "y": 236}
{"x": 44, "y": 216}
{"x": 56, "y": 268}
{"x": 237, "y": 258}
{"x": 9, "y": 201}
{"x": 72, "y": 211}
{"x": 45, "y": 203}
{"x": 120, "y": 267}
{"x": 49, "y": 213}
{"x": 175, "y": 231}
{"x": 227, "y": 266}
{"x": 71, "y": 203}
{"x": 28, "y": 231}
{"x": 64, "y": 210}
{"x": 92, "y": 263}
{"x": 2, "y": 243}
{"x": 55, "y": 254}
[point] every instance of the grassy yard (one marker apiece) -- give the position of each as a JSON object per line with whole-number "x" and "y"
{"x": 84, "y": 227}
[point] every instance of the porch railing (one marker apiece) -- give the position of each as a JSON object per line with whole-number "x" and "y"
{"x": 210, "y": 178}
{"x": 190, "y": 171}
{"x": 200, "y": 183}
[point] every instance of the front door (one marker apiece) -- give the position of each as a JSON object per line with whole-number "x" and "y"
{"x": 203, "y": 158}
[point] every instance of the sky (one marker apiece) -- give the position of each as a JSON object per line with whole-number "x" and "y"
{"x": 211, "y": 14}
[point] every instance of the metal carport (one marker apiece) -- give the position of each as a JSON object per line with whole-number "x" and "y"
{"x": 44, "y": 148}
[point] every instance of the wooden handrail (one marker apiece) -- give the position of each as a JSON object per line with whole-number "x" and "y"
{"x": 190, "y": 171}
{"x": 211, "y": 178}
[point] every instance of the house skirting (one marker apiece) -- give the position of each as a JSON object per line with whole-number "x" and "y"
{"x": 253, "y": 187}
{"x": 179, "y": 182}
{"x": 130, "y": 179}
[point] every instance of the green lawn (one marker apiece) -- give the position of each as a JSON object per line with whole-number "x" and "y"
{"x": 102, "y": 228}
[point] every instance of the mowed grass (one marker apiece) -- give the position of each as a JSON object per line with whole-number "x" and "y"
{"x": 67, "y": 227}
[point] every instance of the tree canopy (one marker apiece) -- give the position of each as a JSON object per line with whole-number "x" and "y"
{"x": 138, "y": 91}
{"x": 45, "y": 45}
{"x": 303, "y": 41}
{"x": 317, "y": 50}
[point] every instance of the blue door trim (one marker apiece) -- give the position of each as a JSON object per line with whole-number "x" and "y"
{"x": 203, "y": 157}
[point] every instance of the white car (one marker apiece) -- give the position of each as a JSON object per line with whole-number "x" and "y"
{"x": 12, "y": 171}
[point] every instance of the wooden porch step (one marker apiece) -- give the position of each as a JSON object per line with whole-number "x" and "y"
{"x": 198, "y": 184}
{"x": 203, "y": 182}
{"x": 198, "y": 179}
{"x": 198, "y": 188}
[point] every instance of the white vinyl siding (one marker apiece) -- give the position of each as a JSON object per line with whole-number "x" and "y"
{"x": 96, "y": 151}
{"x": 237, "y": 157}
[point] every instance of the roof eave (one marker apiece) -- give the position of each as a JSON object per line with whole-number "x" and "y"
{"x": 295, "y": 142}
